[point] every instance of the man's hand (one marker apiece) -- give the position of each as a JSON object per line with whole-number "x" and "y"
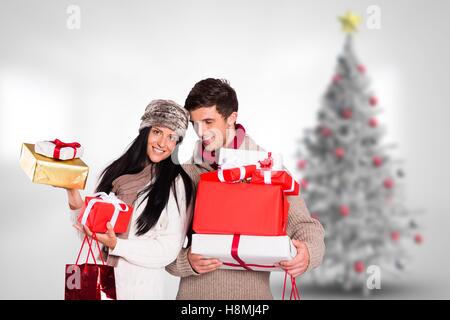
{"x": 299, "y": 264}
{"x": 109, "y": 238}
{"x": 201, "y": 264}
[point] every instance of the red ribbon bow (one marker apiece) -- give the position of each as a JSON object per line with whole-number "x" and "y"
{"x": 59, "y": 144}
{"x": 267, "y": 163}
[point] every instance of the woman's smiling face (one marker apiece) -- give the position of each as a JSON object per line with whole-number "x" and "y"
{"x": 161, "y": 143}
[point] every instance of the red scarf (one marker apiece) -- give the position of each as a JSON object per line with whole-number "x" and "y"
{"x": 210, "y": 156}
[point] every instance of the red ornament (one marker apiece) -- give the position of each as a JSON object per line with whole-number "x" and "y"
{"x": 344, "y": 210}
{"x": 418, "y": 239}
{"x": 373, "y": 101}
{"x": 388, "y": 183}
{"x": 347, "y": 113}
{"x": 361, "y": 68}
{"x": 359, "y": 266}
{"x": 373, "y": 122}
{"x": 337, "y": 78}
{"x": 301, "y": 164}
{"x": 339, "y": 152}
{"x": 325, "y": 132}
{"x": 377, "y": 161}
{"x": 395, "y": 235}
{"x": 304, "y": 183}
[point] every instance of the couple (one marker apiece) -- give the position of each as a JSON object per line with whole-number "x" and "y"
{"x": 163, "y": 193}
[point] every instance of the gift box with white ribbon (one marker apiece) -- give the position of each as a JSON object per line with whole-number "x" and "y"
{"x": 277, "y": 177}
{"x": 102, "y": 208}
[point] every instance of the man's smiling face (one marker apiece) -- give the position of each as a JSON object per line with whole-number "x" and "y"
{"x": 211, "y": 126}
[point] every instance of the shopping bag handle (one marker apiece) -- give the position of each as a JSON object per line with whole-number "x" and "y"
{"x": 294, "y": 289}
{"x": 94, "y": 236}
{"x": 90, "y": 251}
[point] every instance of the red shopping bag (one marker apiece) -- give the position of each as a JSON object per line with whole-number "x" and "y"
{"x": 89, "y": 281}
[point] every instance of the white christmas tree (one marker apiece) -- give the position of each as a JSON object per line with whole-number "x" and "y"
{"x": 350, "y": 182}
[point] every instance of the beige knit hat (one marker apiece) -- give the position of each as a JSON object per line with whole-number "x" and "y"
{"x": 166, "y": 113}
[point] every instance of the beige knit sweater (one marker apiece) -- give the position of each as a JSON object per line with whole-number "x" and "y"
{"x": 241, "y": 285}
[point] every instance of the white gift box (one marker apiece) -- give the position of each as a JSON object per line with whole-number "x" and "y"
{"x": 47, "y": 148}
{"x": 238, "y": 158}
{"x": 257, "y": 253}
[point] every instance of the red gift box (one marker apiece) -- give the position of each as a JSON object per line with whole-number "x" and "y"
{"x": 239, "y": 208}
{"x": 102, "y": 208}
{"x": 235, "y": 174}
{"x": 277, "y": 177}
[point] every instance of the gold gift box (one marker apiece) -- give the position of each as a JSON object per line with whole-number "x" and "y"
{"x": 70, "y": 174}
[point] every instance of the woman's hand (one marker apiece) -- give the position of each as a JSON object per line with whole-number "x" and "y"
{"x": 109, "y": 238}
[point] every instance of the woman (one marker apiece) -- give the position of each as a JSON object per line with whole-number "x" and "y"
{"x": 161, "y": 193}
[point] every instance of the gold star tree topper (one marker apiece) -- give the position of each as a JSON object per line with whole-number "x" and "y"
{"x": 349, "y": 22}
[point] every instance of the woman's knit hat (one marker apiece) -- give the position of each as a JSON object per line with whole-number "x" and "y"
{"x": 166, "y": 113}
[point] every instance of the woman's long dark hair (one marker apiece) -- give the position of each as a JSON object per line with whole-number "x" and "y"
{"x": 134, "y": 160}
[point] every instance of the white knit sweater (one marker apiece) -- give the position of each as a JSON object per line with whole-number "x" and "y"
{"x": 140, "y": 270}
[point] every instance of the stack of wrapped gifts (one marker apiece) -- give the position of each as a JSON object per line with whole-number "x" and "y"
{"x": 58, "y": 164}
{"x": 241, "y": 211}
{"x": 55, "y": 163}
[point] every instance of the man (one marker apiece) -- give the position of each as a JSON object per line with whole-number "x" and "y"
{"x": 213, "y": 107}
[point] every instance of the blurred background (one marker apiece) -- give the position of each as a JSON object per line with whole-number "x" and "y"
{"x": 91, "y": 84}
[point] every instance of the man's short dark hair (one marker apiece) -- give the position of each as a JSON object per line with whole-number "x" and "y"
{"x": 210, "y": 92}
